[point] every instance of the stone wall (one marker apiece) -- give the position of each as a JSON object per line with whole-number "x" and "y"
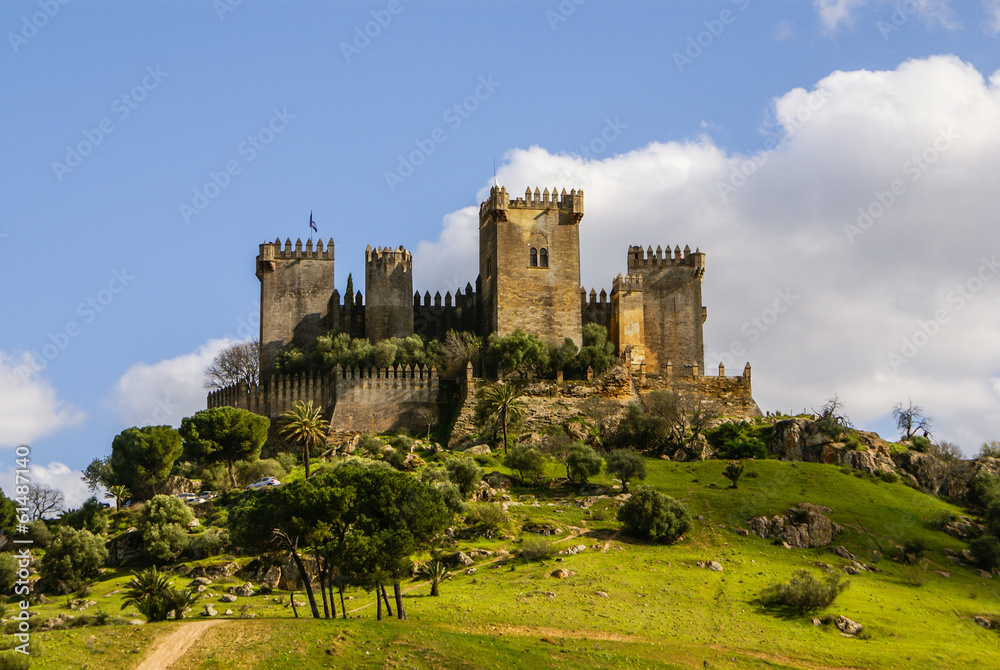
{"x": 388, "y": 287}
{"x": 381, "y": 400}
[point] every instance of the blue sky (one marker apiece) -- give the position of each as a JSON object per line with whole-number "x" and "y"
{"x": 132, "y": 266}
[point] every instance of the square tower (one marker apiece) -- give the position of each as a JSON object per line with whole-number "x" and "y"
{"x": 529, "y": 264}
{"x": 389, "y": 287}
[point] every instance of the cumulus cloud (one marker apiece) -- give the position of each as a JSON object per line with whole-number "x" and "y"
{"x": 54, "y": 475}
{"x": 856, "y": 253}
{"x": 835, "y": 13}
{"x": 165, "y": 392}
{"x": 29, "y": 405}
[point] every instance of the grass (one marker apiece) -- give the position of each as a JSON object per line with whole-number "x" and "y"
{"x": 661, "y": 610}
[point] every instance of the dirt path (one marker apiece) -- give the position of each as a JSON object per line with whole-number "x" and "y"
{"x": 175, "y": 645}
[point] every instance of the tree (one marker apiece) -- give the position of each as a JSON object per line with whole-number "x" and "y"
{"x": 516, "y": 353}
{"x": 141, "y": 457}
{"x": 44, "y": 500}
{"x": 527, "y": 460}
{"x": 236, "y": 363}
{"x": 119, "y": 493}
{"x": 733, "y": 472}
{"x": 90, "y": 516}
{"x": 224, "y": 435}
{"x": 582, "y": 463}
{"x": 626, "y": 465}
{"x": 8, "y": 515}
{"x": 803, "y": 593}
{"x": 990, "y": 449}
{"x": 436, "y": 572}
{"x": 151, "y": 592}
{"x": 99, "y": 475}
{"x": 832, "y": 419}
{"x": 164, "y": 528}
{"x": 655, "y": 426}
{"x": 303, "y": 424}
{"x": 654, "y": 516}
{"x": 465, "y": 473}
{"x": 911, "y": 419}
{"x": 503, "y": 404}
{"x": 597, "y": 352}
{"x": 458, "y": 351}
{"x": 72, "y": 559}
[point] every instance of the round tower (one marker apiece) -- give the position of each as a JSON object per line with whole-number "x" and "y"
{"x": 389, "y": 293}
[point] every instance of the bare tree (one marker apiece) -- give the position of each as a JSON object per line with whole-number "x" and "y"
{"x": 236, "y": 363}
{"x": 911, "y": 419}
{"x": 44, "y": 500}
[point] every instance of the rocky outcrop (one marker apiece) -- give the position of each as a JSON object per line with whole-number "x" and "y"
{"x": 803, "y": 526}
{"x": 847, "y": 626}
{"x": 807, "y": 440}
{"x": 124, "y": 548}
{"x": 261, "y": 572}
{"x": 217, "y": 571}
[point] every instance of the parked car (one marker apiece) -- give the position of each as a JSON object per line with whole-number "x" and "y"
{"x": 187, "y": 497}
{"x": 206, "y": 495}
{"x": 263, "y": 483}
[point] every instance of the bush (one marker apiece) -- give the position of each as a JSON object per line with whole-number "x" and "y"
{"x": 8, "y": 573}
{"x": 39, "y": 534}
{"x": 535, "y": 548}
{"x": 287, "y": 460}
{"x": 920, "y": 443}
{"x": 487, "y": 518}
{"x": 13, "y": 660}
{"x": 465, "y": 473}
{"x": 396, "y": 459}
{"x": 527, "y": 460}
{"x": 164, "y": 542}
{"x": 737, "y": 442}
{"x": 73, "y": 558}
{"x": 163, "y": 509}
{"x": 626, "y": 465}
{"x": 247, "y": 472}
{"x": 654, "y": 516}
{"x": 210, "y": 543}
{"x": 90, "y": 516}
{"x": 402, "y": 443}
{"x": 582, "y": 463}
{"x": 986, "y": 551}
{"x": 803, "y": 593}
{"x": 911, "y": 551}
{"x": 889, "y": 477}
{"x": 371, "y": 445}
{"x": 990, "y": 449}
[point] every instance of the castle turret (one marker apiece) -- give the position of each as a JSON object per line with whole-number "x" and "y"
{"x": 627, "y": 332}
{"x": 389, "y": 289}
{"x": 529, "y": 263}
{"x": 295, "y": 289}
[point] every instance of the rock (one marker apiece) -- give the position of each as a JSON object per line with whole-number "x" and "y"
{"x": 228, "y": 612}
{"x": 562, "y": 573}
{"x": 412, "y": 462}
{"x": 80, "y": 604}
{"x": 842, "y": 552}
{"x": 585, "y": 503}
{"x": 541, "y": 528}
{"x": 851, "y": 570}
{"x": 816, "y": 622}
{"x": 470, "y": 571}
{"x": 948, "y": 552}
{"x": 985, "y": 575}
{"x": 601, "y": 594}
{"x": 591, "y": 489}
{"x": 217, "y": 571}
{"x": 483, "y": 493}
{"x": 136, "y": 622}
{"x": 259, "y": 571}
{"x": 193, "y": 523}
{"x": 201, "y": 581}
{"x": 803, "y": 526}
{"x": 983, "y": 621}
{"x": 931, "y": 473}
{"x": 967, "y": 555}
{"x": 291, "y": 580}
{"x": 943, "y": 573}
{"x": 715, "y": 566}
{"x": 497, "y": 480}
{"x": 577, "y": 431}
{"x": 201, "y": 588}
{"x": 208, "y": 611}
{"x": 126, "y": 547}
{"x": 479, "y": 450}
{"x": 227, "y": 598}
{"x": 58, "y": 621}
{"x": 742, "y": 531}
{"x": 847, "y": 626}
{"x": 461, "y": 558}
{"x": 244, "y": 591}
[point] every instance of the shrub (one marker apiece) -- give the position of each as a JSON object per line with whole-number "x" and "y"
{"x": 911, "y": 551}
{"x": 247, "y": 472}
{"x": 582, "y": 463}
{"x": 402, "y": 443}
{"x": 166, "y": 509}
{"x": 396, "y": 459}
{"x": 990, "y": 449}
{"x": 920, "y": 443}
{"x": 164, "y": 542}
{"x": 803, "y": 593}
{"x": 39, "y": 534}
{"x": 465, "y": 473}
{"x": 487, "y": 517}
{"x": 527, "y": 460}
{"x": 8, "y": 573}
{"x": 986, "y": 551}
{"x": 733, "y": 472}
{"x": 626, "y": 465}
{"x": 890, "y": 477}
{"x": 210, "y": 543}
{"x": 287, "y": 460}
{"x": 535, "y": 548}
{"x": 737, "y": 442}
{"x": 12, "y": 660}
{"x": 73, "y": 558}
{"x": 654, "y": 516}
{"x": 90, "y": 516}
{"x": 370, "y": 444}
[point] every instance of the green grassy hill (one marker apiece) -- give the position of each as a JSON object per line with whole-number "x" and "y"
{"x": 629, "y": 604}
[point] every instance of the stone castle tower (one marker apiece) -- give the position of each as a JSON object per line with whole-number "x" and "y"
{"x": 389, "y": 288}
{"x": 529, "y": 264}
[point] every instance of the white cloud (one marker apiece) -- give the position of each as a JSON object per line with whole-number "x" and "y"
{"x": 54, "y": 475}
{"x": 29, "y": 406}
{"x": 993, "y": 14}
{"x": 834, "y": 14}
{"x": 165, "y": 392}
{"x": 840, "y": 146}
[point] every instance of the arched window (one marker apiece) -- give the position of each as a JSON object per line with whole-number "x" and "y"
{"x": 533, "y": 257}
{"x": 544, "y": 258}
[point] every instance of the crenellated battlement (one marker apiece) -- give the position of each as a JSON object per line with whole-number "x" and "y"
{"x": 499, "y": 202}
{"x": 629, "y": 282}
{"x": 271, "y": 251}
{"x": 389, "y": 258}
{"x": 637, "y": 257}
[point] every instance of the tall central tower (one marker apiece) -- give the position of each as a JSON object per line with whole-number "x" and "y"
{"x": 529, "y": 264}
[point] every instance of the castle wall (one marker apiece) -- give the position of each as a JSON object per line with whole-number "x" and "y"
{"x": 672, "y": 311}
{"x": 380, "y": 400}
{"x": 388, "y": 287}
{"x": 627, "y": 319}
{"x": 595, "y": 308}
{"x": 295, "y": 286}
{"x": 539, "y": 294}
{"x": 347, "y": 316}
{"x": 434, "y": 317}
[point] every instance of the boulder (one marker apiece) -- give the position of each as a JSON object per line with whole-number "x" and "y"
{"x": 60, "y": 620}
{"x": 228, "y": 612}
{"x": 261, "y": 572}
{"x": 847, "y": 626}
{"x": 562, "y": 573}
{"x": 244, "y": 591}
{"x": 497, "y": 480}
{"x": 577, "y": 431}
{"x": 291, "y": 580}
{"x": 541, "y": 528}
{"x": 479, "y": 450}
{"x": 483, "y": 493}
{"x": 126, "y": 547}
{"x": 227, "y": 598}
{"x": 208, "y": 610}
{"x": 217, "y": 571}
{"x": 802, "y": 439}
{"x": 201, "y": 581}
{"x": 461, "y": 558}
{"x": 412, "y": 462}
{"x": 930, "y": 472}
{"x": 601, "y": 594}
{"x": 803, "y": 526}
{"x": 983, "y": 621}
{"x": 715, "y": 566}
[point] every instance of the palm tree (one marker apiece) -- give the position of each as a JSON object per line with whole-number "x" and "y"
{"x": 149, "y": 592}
{"x": 119, "y": 493}
{"x": 303, "y": 424}
{"x": 180, "y": 601}
{"x": 733, "y": 472}
{"x": 504, "y": 404}
{"x": 436, "y": 571}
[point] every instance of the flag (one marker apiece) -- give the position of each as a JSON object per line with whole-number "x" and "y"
{"x": 312, "y": 224}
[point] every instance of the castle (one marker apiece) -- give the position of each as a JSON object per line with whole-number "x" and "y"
{"x": 529, "y": 280}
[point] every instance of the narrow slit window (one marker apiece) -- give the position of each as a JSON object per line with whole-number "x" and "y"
{"x": 533, "y": 257}
{"x": 543, "y": 258}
